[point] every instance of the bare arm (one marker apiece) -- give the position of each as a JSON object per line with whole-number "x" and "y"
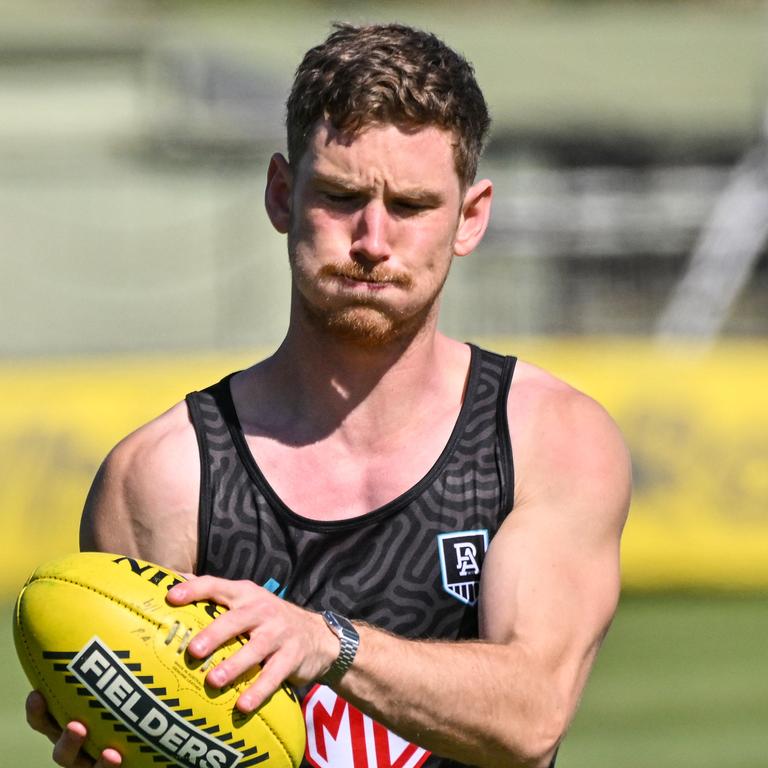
{"x": 549, "y": 590}
{"x": 144, "y": 498}
{"x": 143, "y": 502}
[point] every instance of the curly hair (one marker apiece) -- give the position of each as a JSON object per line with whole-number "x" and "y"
{"x": 388, "y": 74}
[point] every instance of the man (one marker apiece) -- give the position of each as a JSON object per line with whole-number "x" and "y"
{"x": 365, "y": 469}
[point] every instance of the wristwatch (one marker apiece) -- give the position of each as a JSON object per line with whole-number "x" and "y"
{"x": 349, "y": 640}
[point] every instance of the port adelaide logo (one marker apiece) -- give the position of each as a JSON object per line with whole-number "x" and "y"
{"x": 461, "y": 560}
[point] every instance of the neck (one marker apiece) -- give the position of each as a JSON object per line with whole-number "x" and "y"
{"x": 317, "y": 383}
{"x": 346, "y": 373}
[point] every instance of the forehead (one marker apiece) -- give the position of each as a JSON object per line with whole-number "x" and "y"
{"x": 382, "y": 153}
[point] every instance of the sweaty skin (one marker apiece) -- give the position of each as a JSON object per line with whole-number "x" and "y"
{"x": 365, "y": 383}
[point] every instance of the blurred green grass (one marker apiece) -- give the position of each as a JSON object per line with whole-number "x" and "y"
{"x": 680, "y": 682}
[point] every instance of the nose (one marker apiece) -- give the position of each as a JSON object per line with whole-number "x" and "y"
{"x": 370, "y": 238}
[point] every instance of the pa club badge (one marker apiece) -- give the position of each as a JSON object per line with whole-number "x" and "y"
{"x": 461, "y": 560}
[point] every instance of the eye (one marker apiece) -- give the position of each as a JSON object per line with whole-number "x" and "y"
{"x": 408, "y": 207}
{"x": 340, "y": 198}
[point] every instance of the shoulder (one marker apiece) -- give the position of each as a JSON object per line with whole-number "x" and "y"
{"x": 160, "y": 459}
{"x": 551, "y": 577}
{"x": 156, "y": 446}
{"x": 565, "y": 445}
{"x": 144, "y": 499}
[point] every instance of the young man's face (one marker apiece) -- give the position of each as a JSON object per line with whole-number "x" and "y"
{"x": 372, "y": 225}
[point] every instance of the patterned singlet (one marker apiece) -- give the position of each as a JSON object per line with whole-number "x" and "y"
{"x": 411, "y": 566}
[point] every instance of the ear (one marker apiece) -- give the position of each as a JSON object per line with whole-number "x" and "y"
{"x": 475, "y": 213}
{"x": 277, "y": 195}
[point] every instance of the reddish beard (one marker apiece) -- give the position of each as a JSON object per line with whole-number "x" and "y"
{"x": 365, "y": 320}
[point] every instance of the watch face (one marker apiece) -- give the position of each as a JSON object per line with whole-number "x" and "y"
{"x": 332, "y": 621}
{"x": 338, "y": 623}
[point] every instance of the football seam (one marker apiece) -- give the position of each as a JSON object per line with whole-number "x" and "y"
{"x": 156, "y": 623}
{"x": 30, "y": 658}
{"x": 41, "y": 681}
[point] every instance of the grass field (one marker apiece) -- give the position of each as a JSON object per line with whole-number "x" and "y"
{"x": 680, "y": 682}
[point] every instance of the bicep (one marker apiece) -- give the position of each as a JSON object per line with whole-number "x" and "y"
{"x": 551, "y": 578}
{"x": 105, "y": 525}
{"x": 117, "y": 515}
{"x": 552, "y": 593}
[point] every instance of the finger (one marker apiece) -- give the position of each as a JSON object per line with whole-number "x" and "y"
{"x": 246, "y": 659}
{"x": 221, "y": 591}
{"x": 220, "y": 631}
{"x": 68, "y": 749}
{"x": 110, "y": 758}
{"x": 39, "y": 718}
{"x": 276, "y": 670}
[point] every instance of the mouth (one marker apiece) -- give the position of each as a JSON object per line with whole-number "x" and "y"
{"x": 349, "y": 277}
{"x": 364, "y": 283}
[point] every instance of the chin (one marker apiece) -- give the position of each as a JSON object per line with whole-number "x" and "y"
{"x": 364, "y": 326}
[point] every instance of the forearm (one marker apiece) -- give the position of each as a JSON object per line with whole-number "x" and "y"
{"x": 480, "y": 703}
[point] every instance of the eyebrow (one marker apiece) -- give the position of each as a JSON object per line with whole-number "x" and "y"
{"x": 338, "y": 182}
{"x": 415, "y": 194}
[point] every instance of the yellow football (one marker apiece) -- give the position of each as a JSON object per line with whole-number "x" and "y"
{"x": 96, "y": 636}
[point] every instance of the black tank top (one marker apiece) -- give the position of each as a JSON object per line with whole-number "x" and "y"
{"x": 411, "y": 566}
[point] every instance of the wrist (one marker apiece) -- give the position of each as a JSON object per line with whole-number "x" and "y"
{"x": 347, "y": 639}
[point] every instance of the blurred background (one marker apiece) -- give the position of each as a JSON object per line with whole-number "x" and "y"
{"x": 627, "y": 253}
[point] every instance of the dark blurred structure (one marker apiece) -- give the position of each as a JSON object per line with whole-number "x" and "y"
{"x": 131, "y": 164}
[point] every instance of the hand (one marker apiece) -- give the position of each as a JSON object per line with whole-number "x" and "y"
{"x": 68, "y": 742}
{"x": 290, "y": 643}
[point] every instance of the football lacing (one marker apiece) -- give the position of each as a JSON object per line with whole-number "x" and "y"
{"x": 184, "y": 642}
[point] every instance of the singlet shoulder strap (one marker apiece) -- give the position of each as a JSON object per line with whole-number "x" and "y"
{"x": 493, "y": 383}
{"x": 211, "y": 412}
